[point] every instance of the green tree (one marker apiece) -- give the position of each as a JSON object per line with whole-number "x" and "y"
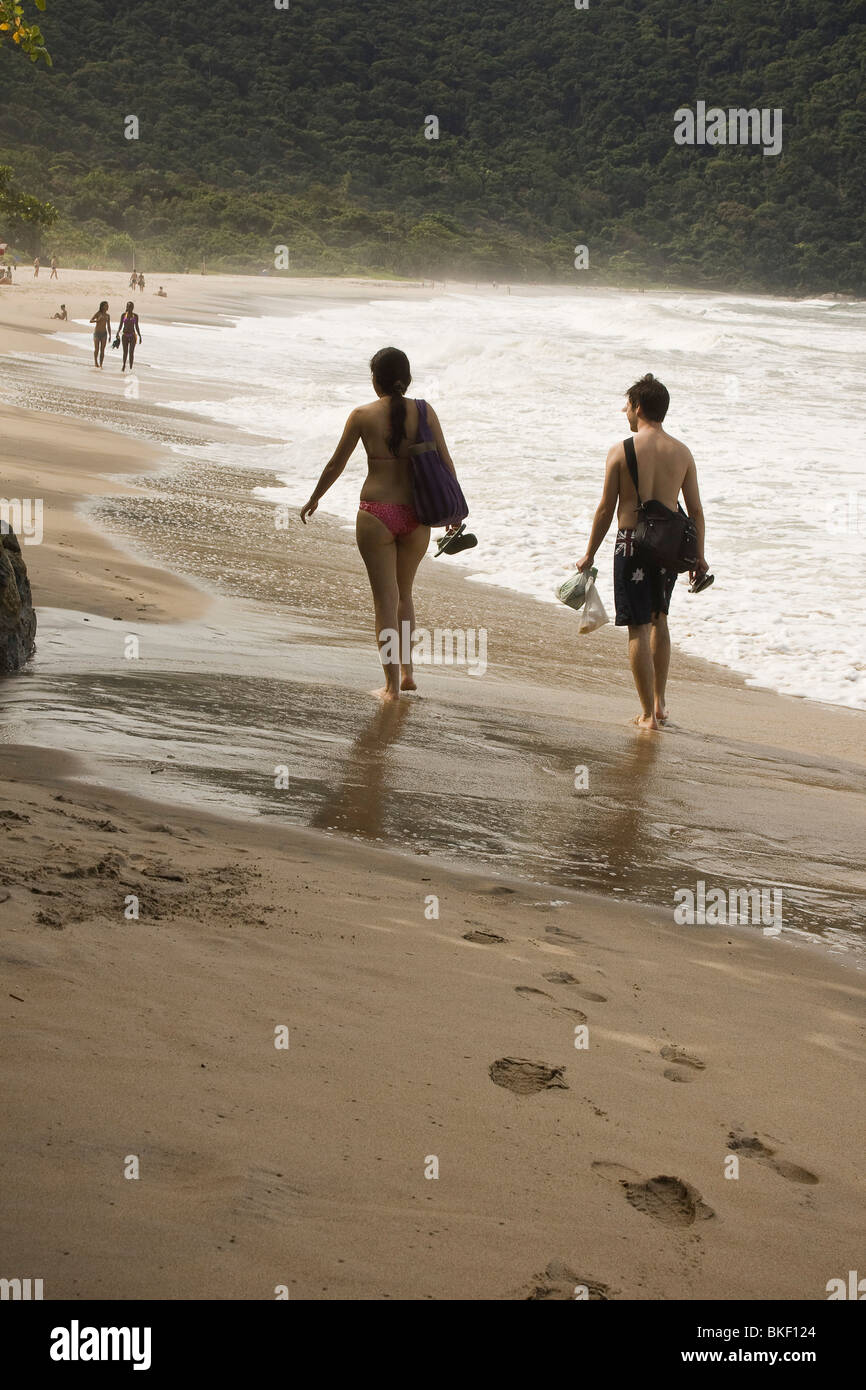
{"x": 19, "y": 210}
{"x": 14, "y": 28}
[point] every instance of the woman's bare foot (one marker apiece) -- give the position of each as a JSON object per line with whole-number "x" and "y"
{"x": 645, "y": 721}
{"x": 386, "y": 694}
{"x": 661, "y": 714}
{"x": 407, "y": 680}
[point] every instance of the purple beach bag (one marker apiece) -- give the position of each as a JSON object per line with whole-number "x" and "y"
{"x": 436, "y": 494}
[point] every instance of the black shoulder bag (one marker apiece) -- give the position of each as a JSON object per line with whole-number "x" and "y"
{"x": 661, "y": 537}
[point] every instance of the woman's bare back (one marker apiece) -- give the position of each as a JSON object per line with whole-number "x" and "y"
{"x": 388, "y": 478}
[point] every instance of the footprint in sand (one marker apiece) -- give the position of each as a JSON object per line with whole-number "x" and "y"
{"x": 562, "y": 977}
{"x": 524, "y": 1078}
{"x": 483, "y": 938}
{"x": 537, "y": 996}
{"x": 666, "y": 1199}
{"x": 558, "y": 1283}
{"x": 561, "y": 931}
{"x": 752, "y": 1147}
{"x": 49, "y": 918}
{"x": 686, "y": 1064}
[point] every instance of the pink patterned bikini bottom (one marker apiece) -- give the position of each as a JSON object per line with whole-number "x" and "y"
{"x": 397, "y": 516}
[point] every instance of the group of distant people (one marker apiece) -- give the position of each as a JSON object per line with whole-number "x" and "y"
{"x": 136, "y": 281}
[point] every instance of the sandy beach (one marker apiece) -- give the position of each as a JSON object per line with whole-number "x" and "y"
{"x": 431, "y": 907}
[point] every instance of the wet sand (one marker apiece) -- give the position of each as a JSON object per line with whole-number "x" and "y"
{"x": 310, "y": 905}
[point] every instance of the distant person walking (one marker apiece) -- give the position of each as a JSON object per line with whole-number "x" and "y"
{"x": 127, "y": 330}
{"x": 36, "y": 269}
{"x": 141, "y": 281}
{"x": 54, "y": 275}
{"x": 133, "y": 280}
{"x": 101, "y": 333}
{"x": 642, "y": 591}
{"x": 391, "y": 539}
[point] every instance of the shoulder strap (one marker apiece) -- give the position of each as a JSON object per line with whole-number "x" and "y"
{"x": 424, "y": 430}
{"x": 631, "y": 460}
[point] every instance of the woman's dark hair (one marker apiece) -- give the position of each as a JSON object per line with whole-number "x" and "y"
{"x": 129, "y": 305}
{"x": 103, "y": 305}
{"x": 651, "y": 396}
{"x": 392, "y": 375}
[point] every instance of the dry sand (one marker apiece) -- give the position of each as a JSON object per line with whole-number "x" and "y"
{"x": 411, "y": 1037}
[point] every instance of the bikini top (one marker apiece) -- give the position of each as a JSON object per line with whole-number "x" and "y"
{"x": 419, "y": 447}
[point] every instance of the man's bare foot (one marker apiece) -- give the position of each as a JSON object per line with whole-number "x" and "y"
{"x": 645, "y": 721}
{"x": 407, "y": 681}
{"x": 386, "y": 693}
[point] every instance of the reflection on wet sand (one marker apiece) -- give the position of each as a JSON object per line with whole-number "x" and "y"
{"x": 477, "y": 781}
{"x": 356, "y": 803}
{"x": 614, "y": 827}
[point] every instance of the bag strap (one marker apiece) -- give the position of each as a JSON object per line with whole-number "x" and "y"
{"x": 631, "y": 460}
{"x": 425, "y": 441}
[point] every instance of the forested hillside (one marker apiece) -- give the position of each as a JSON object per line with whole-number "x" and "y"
{"x": 306, "y": 127}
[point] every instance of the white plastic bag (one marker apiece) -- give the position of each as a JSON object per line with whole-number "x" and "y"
{"x": 593, "y": 614}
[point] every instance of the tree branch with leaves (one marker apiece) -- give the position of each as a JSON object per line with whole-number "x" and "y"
{"x": 15, "y": 28}
{"x": 19, "y": 211}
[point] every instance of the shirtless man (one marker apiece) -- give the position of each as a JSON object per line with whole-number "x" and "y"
{"x": 643, "y": 593}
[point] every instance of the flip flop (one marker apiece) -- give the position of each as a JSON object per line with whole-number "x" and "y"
{"x": 454, "y": 541}
{"x": 702, "y": 583}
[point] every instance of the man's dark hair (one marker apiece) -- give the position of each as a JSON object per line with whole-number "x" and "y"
{"x": 651, "y": 396}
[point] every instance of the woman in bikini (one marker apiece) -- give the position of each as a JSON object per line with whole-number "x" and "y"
{"x": 126, "y": 331}
{"x": 100, "y": 333}
{"x": 390, "y": 537}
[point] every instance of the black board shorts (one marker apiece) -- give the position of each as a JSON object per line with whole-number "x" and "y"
{"x": 640, "y": 591}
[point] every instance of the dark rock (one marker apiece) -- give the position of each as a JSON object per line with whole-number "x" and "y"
{"x": 17, "y": 618}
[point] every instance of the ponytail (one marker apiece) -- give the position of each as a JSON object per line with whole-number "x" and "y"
{"x": 392, "y": 375}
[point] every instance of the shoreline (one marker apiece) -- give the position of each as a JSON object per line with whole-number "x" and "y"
{"x": 412, "y": 1032}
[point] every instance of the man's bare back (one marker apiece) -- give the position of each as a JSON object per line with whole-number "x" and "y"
{"x": 665, "y": 467}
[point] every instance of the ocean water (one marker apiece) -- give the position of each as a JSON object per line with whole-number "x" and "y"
{"x": 529, "y": 389}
